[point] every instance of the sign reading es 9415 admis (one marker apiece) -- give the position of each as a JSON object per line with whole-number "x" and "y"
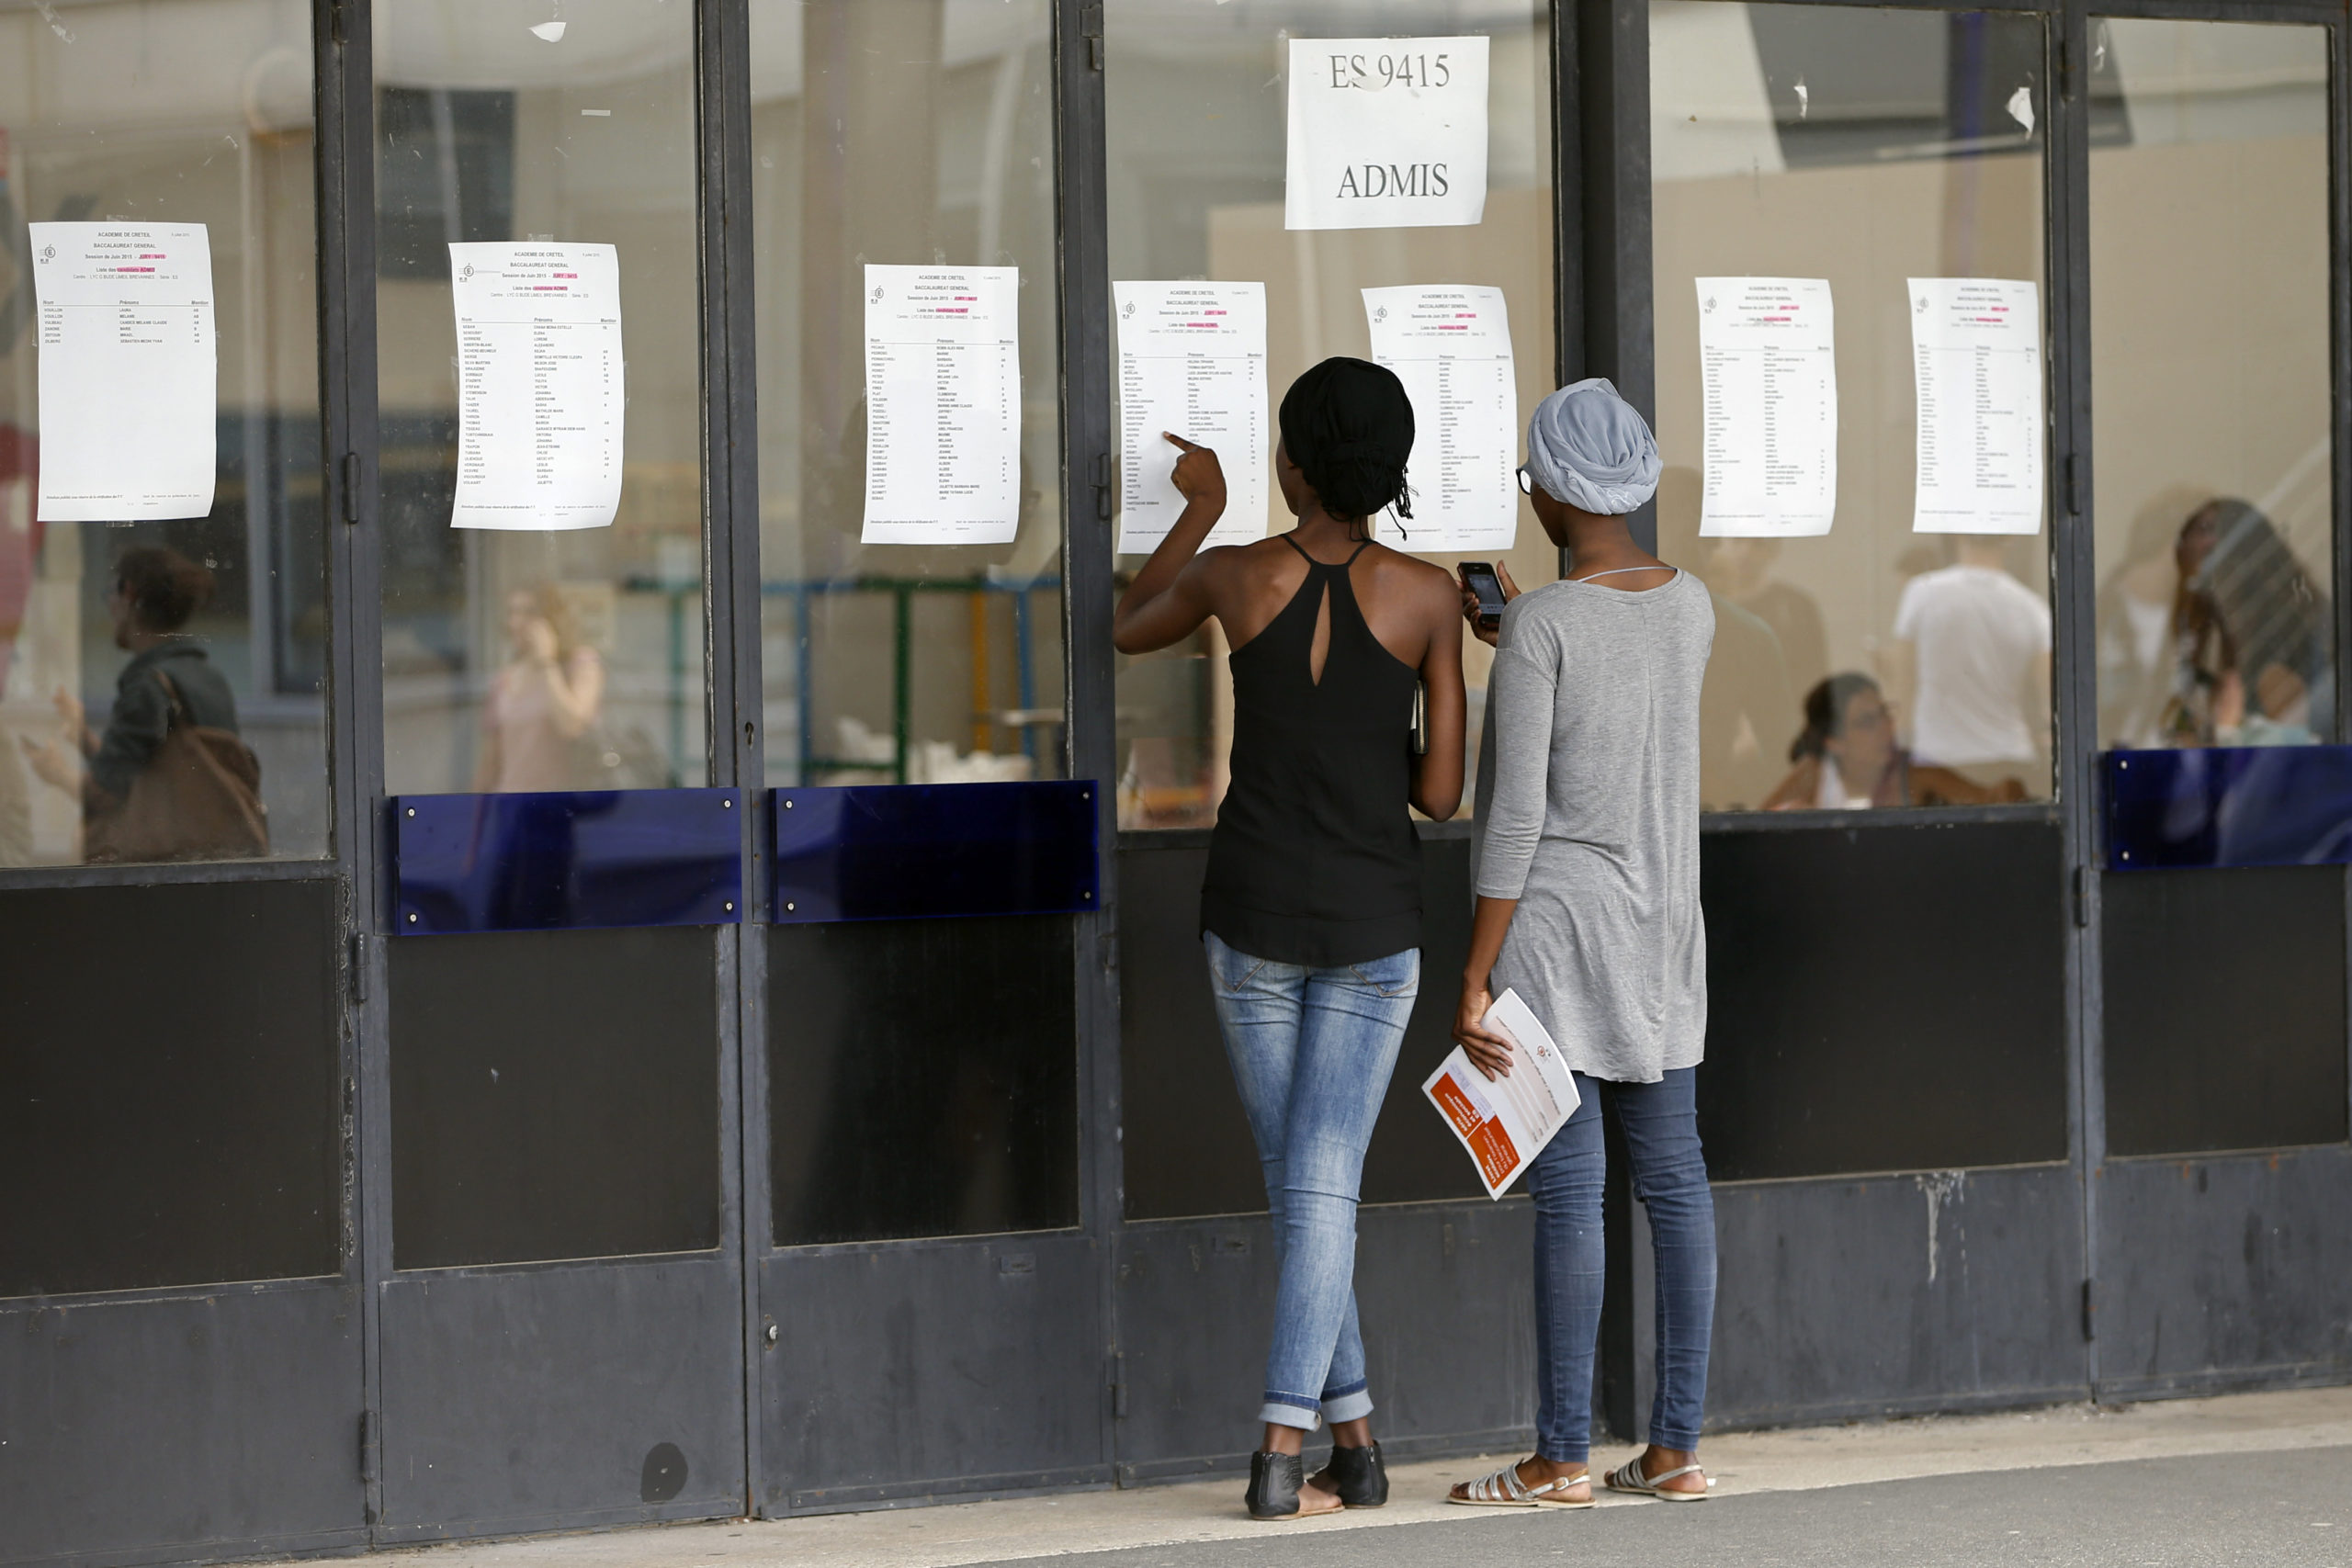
{"x": 1386, "y": 132}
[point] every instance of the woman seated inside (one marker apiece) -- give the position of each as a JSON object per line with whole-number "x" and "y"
{"x": 2254, "y": 648}
{"x": 1846, "y": 758}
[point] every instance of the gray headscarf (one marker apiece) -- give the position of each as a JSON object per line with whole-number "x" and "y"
{"x": 1587, "y": 447}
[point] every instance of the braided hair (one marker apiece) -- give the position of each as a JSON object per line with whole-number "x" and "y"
{"x": 1348, "y": 426}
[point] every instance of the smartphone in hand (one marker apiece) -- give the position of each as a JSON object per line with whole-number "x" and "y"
{"x": 1479, "y": 576}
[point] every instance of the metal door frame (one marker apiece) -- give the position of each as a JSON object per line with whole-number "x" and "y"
{"x": 728, "y": 506}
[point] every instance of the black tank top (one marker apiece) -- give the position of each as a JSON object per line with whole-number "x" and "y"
{"x": 1314, "y": 860}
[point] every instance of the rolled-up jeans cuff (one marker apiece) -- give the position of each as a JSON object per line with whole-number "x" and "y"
{"x": 1682, "y": 1442}
{"x": 1288, "y": 1410}
{"x": 1352, "y": 1406}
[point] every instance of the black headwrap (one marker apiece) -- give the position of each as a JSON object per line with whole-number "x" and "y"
{"x": 1348, "y": 426}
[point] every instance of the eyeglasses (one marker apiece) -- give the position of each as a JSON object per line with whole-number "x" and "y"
{"x": 1526, "y": 482}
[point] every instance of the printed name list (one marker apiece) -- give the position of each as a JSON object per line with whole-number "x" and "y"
{"x": 1769, "y": 369}
{"x": 942, "y": 405}
{"x": 540, "y": 385}
{"x": 1451, "y": 347}
{"x": 127, "y": 371}
{"x": 1976, "y": 357}
{"x": 1191, "y": 360}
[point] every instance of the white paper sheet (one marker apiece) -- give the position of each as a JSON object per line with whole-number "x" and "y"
{"x": 1768, "y": 360}
{"x": 1386, "y": 132}
{"x": 541, "y": 384}
{"x": 1191, "y": 360}
{"x": 1976, "y": 360}
{"x": 127, "y": 371}
{"x": 1505, "y": 1122}
{"x": 1451, "y": 347}
{"x": 942, "y": 405}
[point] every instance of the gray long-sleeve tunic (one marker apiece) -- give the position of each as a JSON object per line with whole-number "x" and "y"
{"x": 1589, "y": 812}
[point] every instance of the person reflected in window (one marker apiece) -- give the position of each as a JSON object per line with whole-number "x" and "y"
{"x": 1846, "y": 760}
{"x": 1748, "y": 691}
{"x": 544, "y": 703}
{"x": 1311, "y": 910}
{"x": 1971, "y": 658}
{"x": 1741, "y": 571}
{"x": 146, "y": 795}
{"x": 2138, "y": 600}
{"x": 2251, "y": 632}
{"x": 1587, "y": 907}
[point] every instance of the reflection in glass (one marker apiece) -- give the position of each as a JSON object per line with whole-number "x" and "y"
{"x": 1195, "y": 103}
{"x": 1873, "y": 665}
{"x": 538, "y": 661}
{"x": 2209, "y": 361}
{"x": 897, "y": 132}
{"x": 159, "y": 682}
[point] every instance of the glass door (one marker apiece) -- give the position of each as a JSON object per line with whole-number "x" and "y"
{"x": 562, "y": 1324}
{"x": 929, "y": 1308}
{"x": 2221, "y": 1089}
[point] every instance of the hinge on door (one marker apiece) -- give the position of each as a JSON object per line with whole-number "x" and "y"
{"x": 358, "y": 967}
{"x": 1102, "y": 487}
{"x": 1119, "y": 1385}
{"x": 351, "y": 472}
{"x": 338, "y": 23}
{"x": 366, "y": 1445}
{"x": 2090, "y": 1331}
{"x": 1090, "y": 28}
{"x": 2074, "y": 486}
{"x": 2066, "y": 65}
{"x": 2082, "y": 876}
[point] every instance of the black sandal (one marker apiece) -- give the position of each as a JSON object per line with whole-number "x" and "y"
{"x": 1358, "y": 1476}
{"x": 1274, "y": 1480}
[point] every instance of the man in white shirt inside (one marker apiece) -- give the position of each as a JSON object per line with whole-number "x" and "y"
{"x": 1971, "y": 654}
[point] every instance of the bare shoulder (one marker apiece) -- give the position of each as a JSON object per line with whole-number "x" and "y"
{"x": 1223, "y": 563}
{"x": 1415, "y": 578}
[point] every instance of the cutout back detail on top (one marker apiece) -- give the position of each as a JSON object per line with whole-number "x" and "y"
{"x": 1314, "y": 860}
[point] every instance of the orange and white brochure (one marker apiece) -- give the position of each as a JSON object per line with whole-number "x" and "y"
{"x": 1505, "y": 1122}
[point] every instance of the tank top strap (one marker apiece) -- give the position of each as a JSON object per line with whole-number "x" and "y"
{"x": 1311, "y": 563}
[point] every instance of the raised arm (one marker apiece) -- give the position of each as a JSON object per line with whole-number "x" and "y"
{"x": 1170, "y": 597}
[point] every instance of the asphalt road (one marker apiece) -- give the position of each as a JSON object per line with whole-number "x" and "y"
{"x": 2266, "y": 1510}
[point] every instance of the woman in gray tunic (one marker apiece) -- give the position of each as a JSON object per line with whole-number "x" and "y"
{"x": 1588, "y": 908}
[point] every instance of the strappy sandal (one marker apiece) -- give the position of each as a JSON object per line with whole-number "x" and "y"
{"x": 1504, "y": 1489}
{"x": 1628, "y": 1477}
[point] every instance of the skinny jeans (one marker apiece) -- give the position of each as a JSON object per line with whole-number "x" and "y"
{"x": 1312, "y": 1051}
{"x": 1669, "y": 1169}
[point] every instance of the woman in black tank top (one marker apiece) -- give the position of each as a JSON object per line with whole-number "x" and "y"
{"x": 1311, "y": 909}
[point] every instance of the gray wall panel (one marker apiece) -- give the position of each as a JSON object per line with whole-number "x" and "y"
{"x": 1197, "y": 1306}
{"x": 180, "y": 1428}
{"x": 2225, "y": 1272}
{"x": 528, "y": 1399}
{"x": 909, "y": 1369}
{"x": 1936, "y": 1292}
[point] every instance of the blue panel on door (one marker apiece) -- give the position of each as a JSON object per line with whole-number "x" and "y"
{"x": 2228, "y": 806}
{"x": 566, "y": 860}
{"x": 913, "y": 852}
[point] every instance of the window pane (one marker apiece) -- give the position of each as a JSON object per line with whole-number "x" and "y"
{"x": 1902, "y": 657}
{"x": 1196, "y": 105}
{"x": 2210, "y": 376}
{"x": 893, "y": 133}
{"x": 558, "y": 645}
{"x": 125, "y": 123}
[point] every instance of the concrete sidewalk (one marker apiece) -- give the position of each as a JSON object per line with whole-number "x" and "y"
{"x": 2120, "y": 1448}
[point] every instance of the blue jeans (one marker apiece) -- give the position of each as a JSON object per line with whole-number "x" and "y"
{"x": 1312, "y": 1051}
{"x": 1661, "y": 1125}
